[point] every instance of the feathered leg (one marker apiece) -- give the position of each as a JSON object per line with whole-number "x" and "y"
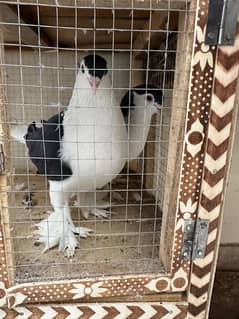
{"x": 93, "y": 203}
{"x": 58, "y": 228}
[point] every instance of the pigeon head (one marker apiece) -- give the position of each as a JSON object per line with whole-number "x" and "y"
{"x": 144, "y": 96}
{"x": 148, "y": 96}
{"x": 94, "y": 68}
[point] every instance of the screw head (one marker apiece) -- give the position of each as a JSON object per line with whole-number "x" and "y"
{"x": 200, "y": 253}
{"x": 203, "y": 225}
{"x": 211, "y": 35}
{"x": 185, "y": 253}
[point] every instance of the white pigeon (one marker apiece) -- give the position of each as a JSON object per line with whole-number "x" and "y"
{"x": 92, "y": 151}
{"x": 138, "y": 106}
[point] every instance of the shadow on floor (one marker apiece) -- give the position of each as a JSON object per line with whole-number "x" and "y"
{"x": 225, "y": 299}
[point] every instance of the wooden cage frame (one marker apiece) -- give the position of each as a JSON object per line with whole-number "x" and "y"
{"x": 210, "y": 100}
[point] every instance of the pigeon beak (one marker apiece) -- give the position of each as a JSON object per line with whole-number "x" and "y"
{"x": 94, "y": 82}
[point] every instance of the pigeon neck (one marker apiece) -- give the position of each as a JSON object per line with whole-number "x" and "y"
{"x": 139, "y": 125}
{"x": 85, "y": 96}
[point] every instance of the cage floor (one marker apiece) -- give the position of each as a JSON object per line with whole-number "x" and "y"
{"x": 125, "y": 243}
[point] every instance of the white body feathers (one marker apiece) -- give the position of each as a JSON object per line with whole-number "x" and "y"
{"x": 139, "y": 125}
{"x": 95, "y": 137}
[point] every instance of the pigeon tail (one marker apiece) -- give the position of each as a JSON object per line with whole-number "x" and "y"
{"x": 18, "y": 132}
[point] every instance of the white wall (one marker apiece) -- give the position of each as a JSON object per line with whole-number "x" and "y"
{"x": 230, "y": 229}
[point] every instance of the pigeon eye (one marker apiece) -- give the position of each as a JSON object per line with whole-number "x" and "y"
{"x": 82, "y": 69}
{"x": 149, "y": 97}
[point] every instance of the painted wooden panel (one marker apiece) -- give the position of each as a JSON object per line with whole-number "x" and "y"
{"x": 138, "y": 310}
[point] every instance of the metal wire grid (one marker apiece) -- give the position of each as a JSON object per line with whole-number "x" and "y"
{"x": 128, "y": 242}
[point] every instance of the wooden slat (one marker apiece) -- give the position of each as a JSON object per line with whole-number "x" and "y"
{"x": 158, "y": 21}
{"x": 85, "y": 12}
{"x": 179, "y": 103}
{"x": 88, "y": 22}
{"x": 63, "y": 19}
{"x": 85, "y": 17}
{"x": 4, "y": 134}
{"x": 11, "y": 32}
{"x": 121, "y": 4}
{"x": 86, "y": 39}
{"x": 161, "y": 23}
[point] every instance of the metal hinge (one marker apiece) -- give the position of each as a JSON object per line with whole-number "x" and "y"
{"x": 194, "y": 239}
{"x": 222, "y": 22}
{"x": 2, "y": 159}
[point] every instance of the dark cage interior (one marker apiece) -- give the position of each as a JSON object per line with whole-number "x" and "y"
{"x": 43, "y": 45}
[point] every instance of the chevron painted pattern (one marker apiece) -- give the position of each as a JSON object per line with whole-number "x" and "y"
{"x": 139, "y": 310}
{"x": 217, "y": 151}
{"x": 194, "y": 150}
{"x": 205, "y": 156}
{"x": 45, "y": 292}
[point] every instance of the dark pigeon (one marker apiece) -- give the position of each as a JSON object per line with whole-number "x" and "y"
{"x": 43, "y": 145}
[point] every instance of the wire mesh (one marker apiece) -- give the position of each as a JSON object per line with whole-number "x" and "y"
{"x": 44, "y": 43}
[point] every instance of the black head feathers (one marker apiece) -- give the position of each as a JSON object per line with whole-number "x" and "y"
{"x": 142, "y": 89}
{"x": 96, "y": 65}
{"x": 151, "y": 89}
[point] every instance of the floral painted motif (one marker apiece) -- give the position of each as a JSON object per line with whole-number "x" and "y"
{"x": 204, "y": 55}
{"x": 81, "y": 290}
{"x": 188, "y": 209}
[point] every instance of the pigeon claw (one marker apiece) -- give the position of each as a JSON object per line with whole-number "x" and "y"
{"x": 101, "y": 213}
{"x": 83, "y": 232}
{"x": 54, "y": 231}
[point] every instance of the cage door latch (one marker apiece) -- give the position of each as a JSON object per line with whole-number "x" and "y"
{"x": 194, "y": 239}
{"x": 2, "y": 159}
{"x": 222, "y": 22}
